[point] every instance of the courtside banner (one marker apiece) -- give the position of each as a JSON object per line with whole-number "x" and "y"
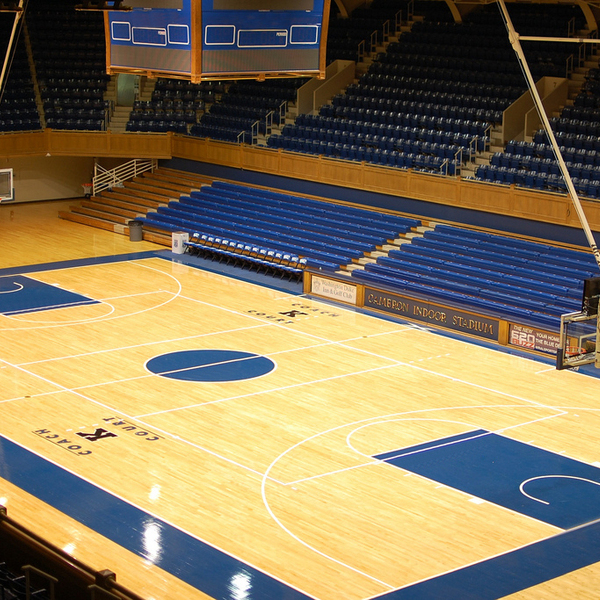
{"x": 533, "y": 339}
{"x": 331, "y": 288}
{"x": 442, "y": 316}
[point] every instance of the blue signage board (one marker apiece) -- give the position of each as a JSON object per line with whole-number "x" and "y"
{"x": 426, "y": 312}
{"x": 219, "y": 39}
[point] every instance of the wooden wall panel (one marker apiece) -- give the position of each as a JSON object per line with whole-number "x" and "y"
{"x": 341, "y": 173}
{"x": 499, "y": 199}
{"x": 486, "y": 197}
{"x": 23, "y": 144}
{"x": 433, "y": 188}
{"x": 260, "y": 159}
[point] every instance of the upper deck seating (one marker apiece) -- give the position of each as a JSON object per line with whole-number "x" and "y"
{"x": 18, "y": 109}
{"x": 68, "y": 48}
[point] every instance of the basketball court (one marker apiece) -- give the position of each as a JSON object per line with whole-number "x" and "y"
{"x": 206, "y": 437}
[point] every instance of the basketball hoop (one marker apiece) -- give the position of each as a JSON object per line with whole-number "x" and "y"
{"x": 575, "y": 351}
{"x": 87, "y": 189}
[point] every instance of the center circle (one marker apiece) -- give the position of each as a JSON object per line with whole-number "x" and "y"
{"x": 210, "y": 365}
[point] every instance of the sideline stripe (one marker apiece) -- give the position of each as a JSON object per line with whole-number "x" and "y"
{"x": 202, "y": 566}
{"x": 512, "y": 572}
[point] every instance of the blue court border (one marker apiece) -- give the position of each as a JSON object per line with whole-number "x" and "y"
{"x": 122, "y": 523}
{"x": 212, "y": 571}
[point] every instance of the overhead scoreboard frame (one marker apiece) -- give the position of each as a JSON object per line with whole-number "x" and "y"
{"x": 202, "y": 40}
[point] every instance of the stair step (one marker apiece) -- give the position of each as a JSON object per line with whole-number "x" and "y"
{"x": 111, "y": 209}
{"x": 94, "y": 222}
{"x": 136, "y": 199}
{"x": 99, "y": 214}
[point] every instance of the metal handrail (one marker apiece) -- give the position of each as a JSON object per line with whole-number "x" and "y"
{"x": 107, "y": 179}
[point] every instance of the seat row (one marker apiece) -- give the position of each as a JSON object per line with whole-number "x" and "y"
{"x": 385, "y": 137}
{"x": 387, "y": 121}
{"x": 449, "y": 111}
{"x": 587, "y": 170}
{"x": 569, "y": 140}
{"x": 219, "y": 132}
{"x": 464, "y": 74}
{"x": 242, "y": 254}
{"x": 470, "y": 91}
{"x": 359, "y": 216}
{"x": 447, "y": 163}
{"x": 550, "y": 182}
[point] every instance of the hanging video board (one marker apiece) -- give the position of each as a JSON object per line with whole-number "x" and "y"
{"x": 218, "y": 39}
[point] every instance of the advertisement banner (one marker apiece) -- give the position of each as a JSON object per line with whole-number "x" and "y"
{"x": 336, "y": 290}
{"x": 533, "y": 339}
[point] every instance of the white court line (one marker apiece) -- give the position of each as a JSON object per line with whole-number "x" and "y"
{"x": 265, "y": 477}
{"x": 371, "y": 421}
{"x": 392, "y": 418}
{"x": 114, "y": 410}
{"x": 173, "y": 295}
{"x": 142, "y": 345}
{"x": 261, "y": 392}
{"x": 16, "y": 290}
{"x": 244, "y": 561}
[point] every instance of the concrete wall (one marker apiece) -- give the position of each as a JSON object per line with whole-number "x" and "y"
{"x": 48, "y": 177}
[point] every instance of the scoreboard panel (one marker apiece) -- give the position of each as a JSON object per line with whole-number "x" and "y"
{"x": 218, "y": 39}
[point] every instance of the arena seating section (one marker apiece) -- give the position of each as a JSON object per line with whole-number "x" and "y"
{"x": 68, "y": 50}
{"x": 428, "y": 103}
{"x": 175, "y": 106}
{"x": 523, "y": 281}
{"x": 325, "y": 234}
{"x": 18, "y": 110}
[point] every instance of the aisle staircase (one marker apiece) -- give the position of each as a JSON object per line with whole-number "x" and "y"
{"x": 113, "y": 209}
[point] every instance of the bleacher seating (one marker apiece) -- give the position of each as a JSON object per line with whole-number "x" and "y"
{"x": 68, "y": 48}
{"x": 519, "y": 280}
{"x": 18, "y": 110}
{"x": 246, "y": 109}
{"x": 326, "y": 235}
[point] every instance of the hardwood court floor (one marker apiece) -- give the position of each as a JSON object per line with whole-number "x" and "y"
{"x": 275, "y": 470}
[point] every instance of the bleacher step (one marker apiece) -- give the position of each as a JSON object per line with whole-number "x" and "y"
{"x": 98, "y": 223}
{"x": 99, "y": 214}
{"x": 134, "y": 199}
{"x": 353, "y": 267}
{"x": 365, "y": 260}
{"x": 111, "y": 209}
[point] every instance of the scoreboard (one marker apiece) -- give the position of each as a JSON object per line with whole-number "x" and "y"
{"x": 218, "y": 39}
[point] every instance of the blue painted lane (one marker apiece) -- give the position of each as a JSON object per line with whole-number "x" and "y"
{"x": 535, "y": 482}
{"x": 20, "y": 294}
{"x": 510, "y": 573}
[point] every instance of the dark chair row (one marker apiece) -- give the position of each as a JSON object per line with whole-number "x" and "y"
{"x": 385, "y": 137}
{"x": 242, "y": 254}
{"x": 218, "y": 132}
{"x": 549, "y": 182}
{"x": 587, "y": 165}
{"x": 389, "y": 158}
{"x": 418, "y": 109}
{"x": 163, "y": 126}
